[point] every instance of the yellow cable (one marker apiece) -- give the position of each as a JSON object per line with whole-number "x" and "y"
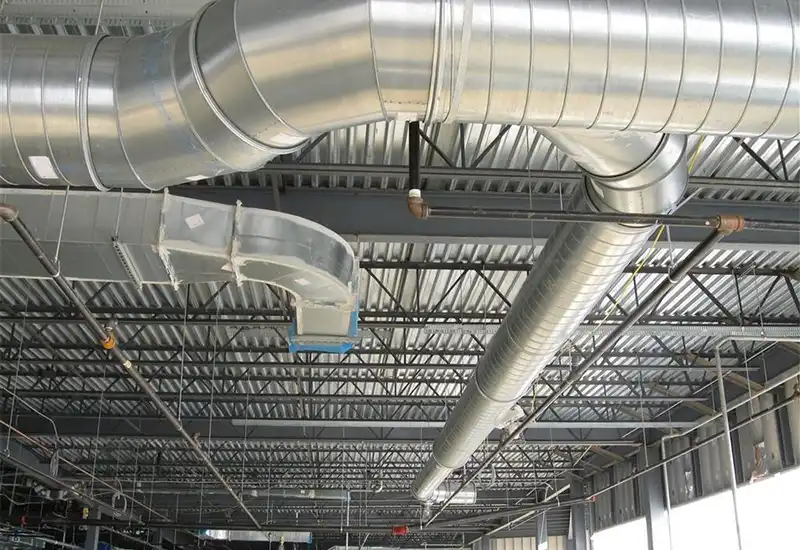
{"x": 695, "y": 153}
{"x": 636, "y": 271}
{"x": 649, "y": 253}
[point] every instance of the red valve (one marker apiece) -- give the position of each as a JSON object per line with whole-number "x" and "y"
{"x": 400, "y": 530}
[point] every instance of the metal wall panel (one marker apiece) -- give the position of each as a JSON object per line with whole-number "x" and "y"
{"x": 625, "y": 495}
{"x": 680, "y": 473}
{"x": 759, "y": 442}
{"x": 794, "y": 419}
{"x": 603, "y": 508}
{"x": 558, "y": 542}
{"x": 714, "y": 470}
{"x": 515, "y": 543}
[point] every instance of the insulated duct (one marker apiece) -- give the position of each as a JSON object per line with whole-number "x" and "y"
{"x": 246, "y": 80}
{"x": 163, "y": 239}
{"x": 628, "y": 172}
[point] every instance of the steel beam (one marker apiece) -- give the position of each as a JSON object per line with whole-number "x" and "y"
{"x": 166, "y": 370}
{"x": 541, "y": 532}
{"x": 88, "y": 348}
{"x": 381, "y": 216}
{"x": 420, "y": 424}
{"x": 712, "y": 327}
{"x": 373, "y": 319}
{"x": 651, "y": 500}
{"x": 73, "y": 437}
{"x": 473, "y": 173}
{"x": 263, "y": 397}
{"x": 489, "y": 266}
{"x": 579, "y": 535}
{"x": 92, "y": 533}
{"x": 241, "y": 422}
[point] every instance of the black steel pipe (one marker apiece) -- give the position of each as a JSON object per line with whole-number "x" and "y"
{"x": 413, "y": 155}
{"x": 682, "y": 271}
{"x": 107, "y": 341}
{"x": 713, "y": 222}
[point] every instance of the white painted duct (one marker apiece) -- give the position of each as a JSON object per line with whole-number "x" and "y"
{"x": 246, "y": 80}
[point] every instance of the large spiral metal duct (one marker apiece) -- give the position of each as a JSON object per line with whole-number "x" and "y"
{"x": 634, "y": 173}
{"x": 246, "y": 80}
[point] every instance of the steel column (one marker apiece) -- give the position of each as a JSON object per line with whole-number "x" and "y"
{"x": 651, "y": 499}
{"x": 92, "y": 532}
{"x": 579, "y": 535}
{"x": 541, "y": 531}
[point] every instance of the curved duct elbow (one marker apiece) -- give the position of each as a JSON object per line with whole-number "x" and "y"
{"x": 246, "y": 80}
{"x": 164, "y": 239}
{"x": 654, "y": 185}
{"x": 642, "y": 173}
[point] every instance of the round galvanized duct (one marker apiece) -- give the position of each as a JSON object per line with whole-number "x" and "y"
{"x": 246, "y": 80}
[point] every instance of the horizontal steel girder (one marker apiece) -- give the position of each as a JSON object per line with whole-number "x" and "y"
{"x": 389, "y": 424}
{"x": 381, "y": 216}
{"x": 713, "y": 327}
{"x": 419, "y": 353}
{"x": 243, "y": 398}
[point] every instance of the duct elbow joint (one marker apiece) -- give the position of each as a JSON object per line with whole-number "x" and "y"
{"x": 652, "y": 186}
{"x": 416, "y": 205}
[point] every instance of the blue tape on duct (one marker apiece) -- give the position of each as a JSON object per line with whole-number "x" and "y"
{"x": 324, "y": 343}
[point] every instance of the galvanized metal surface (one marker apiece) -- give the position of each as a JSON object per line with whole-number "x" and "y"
{"x": 118, "y": 449}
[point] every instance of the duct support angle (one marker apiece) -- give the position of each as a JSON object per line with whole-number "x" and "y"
{"x": 10, "y": 215}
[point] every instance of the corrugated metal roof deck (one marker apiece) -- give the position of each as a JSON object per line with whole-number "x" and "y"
{"x": 254, "y": 361}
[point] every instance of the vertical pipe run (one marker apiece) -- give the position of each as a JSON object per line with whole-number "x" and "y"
{"x": 729, "y": 444}
{"x": 727, "y": 426}
{"x": 11, "y": 215}
{"x": 413, "y": 155}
